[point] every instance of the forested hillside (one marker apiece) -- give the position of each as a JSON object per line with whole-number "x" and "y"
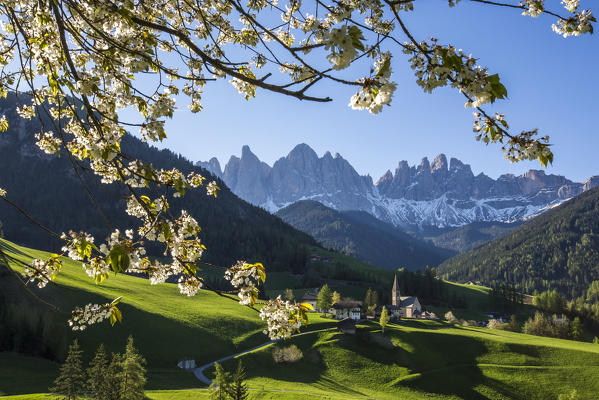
{"x": 48, "y": 189}
{"x": 463, "y": 238}
{"x": 361, "y": 235}
{"x": 556, "y": 250}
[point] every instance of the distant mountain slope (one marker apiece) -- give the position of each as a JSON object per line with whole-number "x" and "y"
{"x": 47, "y": 188}
{"x": 558, "y": 249}
{"x": 442, "y": 193}
{"x": 363, "y": 236}
{"x": 466, "y": 237}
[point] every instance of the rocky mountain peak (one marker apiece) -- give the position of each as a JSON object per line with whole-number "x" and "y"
{"x": 439, "y": 163}
{"x": 456, "y": 165}
{"x": 590, "y": 183}
{"x": 212, "y": 166}
{"x": 438, "y": 193}
{"x": 302, "y": 151}
{"x": 387, "y": 177}
{"x": 534, "y": 174}
{"x": 424, "y": 167}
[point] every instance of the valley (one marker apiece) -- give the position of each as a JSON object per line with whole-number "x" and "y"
{"x": 416, "y": 359}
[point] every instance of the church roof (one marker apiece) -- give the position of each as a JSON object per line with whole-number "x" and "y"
{"x": 407, "y": 301}
{"x": 395, "y": 288}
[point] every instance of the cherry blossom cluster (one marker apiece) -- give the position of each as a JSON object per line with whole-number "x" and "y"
{"x": 533, "y": 8}
{"x": 378, "y": 91}
{"x": 578, "y": 23}
{"x": 78, "y": 245}
{"x": 282, "y": 318}
{"x": 525, "y": 146}
{"x": 43, "y": 271}
{"x": 82, "y": 317}
{"x": 245, "y": 278}
{"x": 436, "y": 66}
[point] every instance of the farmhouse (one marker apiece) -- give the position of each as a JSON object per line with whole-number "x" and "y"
{"x": 311, "y": 298}
{"x": 347, "y": 309}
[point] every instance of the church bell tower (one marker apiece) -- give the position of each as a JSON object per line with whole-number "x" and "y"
{"x": 395, "y": 295}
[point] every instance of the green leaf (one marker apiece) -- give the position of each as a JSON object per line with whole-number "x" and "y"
{"x": 118, "y": 259}
{"x": 498, "y": 91}
{"x": 356, "y": 35}
{"x": 115, "y": 315}
{"x": 384, "y": 68}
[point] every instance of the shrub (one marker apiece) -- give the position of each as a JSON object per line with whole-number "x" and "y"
{"x": 542, "y": 325}
{"x": 287, "y": 354}
{"x": 496, "y": 324}
{"x": 449, "y": 317}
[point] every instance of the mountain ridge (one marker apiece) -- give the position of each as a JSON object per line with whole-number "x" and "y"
{"x": 439, "y": 194}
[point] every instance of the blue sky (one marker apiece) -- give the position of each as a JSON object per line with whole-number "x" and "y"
{"x": 553, "y": 84}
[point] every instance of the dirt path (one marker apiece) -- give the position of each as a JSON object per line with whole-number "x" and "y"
{"x": 199, "y": 371}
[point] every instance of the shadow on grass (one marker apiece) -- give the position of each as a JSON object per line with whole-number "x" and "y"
{"x": 160, "y": 340}
{"x": 426, "y": 361}
{"x": 9, "y": 248}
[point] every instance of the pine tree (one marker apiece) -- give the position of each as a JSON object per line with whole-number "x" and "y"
{"x": 97, "y": 381}
{"x": 114, "y": 377}
{"x": 325, "y": 299}
{"x": 238, "y": 389}
{"x": 576, "y": 329}
{"x": 71, "y": 380}
{"x": 133, "y": 374}
{"x": 384, "y": 318}
{"x": 221, "y": 384}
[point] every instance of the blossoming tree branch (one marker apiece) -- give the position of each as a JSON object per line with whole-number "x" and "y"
{"x": 78, "y": 64}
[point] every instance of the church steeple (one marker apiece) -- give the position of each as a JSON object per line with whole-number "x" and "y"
{"x": 395, "y": 295}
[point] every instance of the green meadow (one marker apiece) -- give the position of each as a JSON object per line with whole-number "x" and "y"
{"x": 422, "y": 360}
{"x": 411, "y": 360}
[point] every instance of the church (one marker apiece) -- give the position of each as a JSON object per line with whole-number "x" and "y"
{"x": 403, "y": 306}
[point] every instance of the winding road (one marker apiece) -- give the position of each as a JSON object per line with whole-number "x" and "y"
{"x": 199, "y": 371}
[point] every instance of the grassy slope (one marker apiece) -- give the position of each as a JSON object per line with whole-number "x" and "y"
{"x": 436, "y": 361}
{"x": 166, "y": 325}
{"x": 428, "y": 360}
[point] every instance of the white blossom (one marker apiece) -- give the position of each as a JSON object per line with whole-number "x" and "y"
{"x": 282, "y": 318}
{"x": 246, "y": 277}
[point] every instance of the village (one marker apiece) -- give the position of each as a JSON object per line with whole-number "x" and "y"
{"x": 349, "y": 311}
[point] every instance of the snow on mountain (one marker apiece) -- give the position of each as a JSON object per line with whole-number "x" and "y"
{"x": 439, "y": 194}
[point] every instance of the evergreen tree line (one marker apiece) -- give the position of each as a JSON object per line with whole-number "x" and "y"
{"x": 122, "y": 377}
{"x": 428, "y": 288}
{"x": 505, "y": 298}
